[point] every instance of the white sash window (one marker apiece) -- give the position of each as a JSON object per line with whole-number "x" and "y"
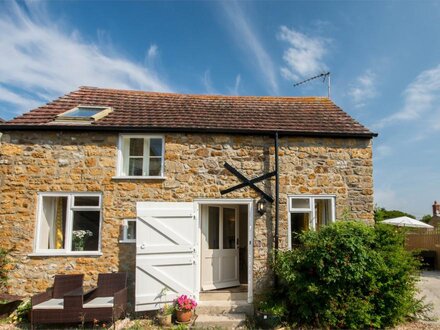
{"x": 141, "y": 156}
{"x": 68, "y": 223}
{"x": 309, "y": 213}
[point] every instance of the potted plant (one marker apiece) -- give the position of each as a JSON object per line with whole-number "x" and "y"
{"x": 79, "y": 239}
{"x": 184, "y": 307}
{"x": 165, "y": 314}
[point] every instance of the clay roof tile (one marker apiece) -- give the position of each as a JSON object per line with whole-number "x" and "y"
{"x": 139, "y": 109}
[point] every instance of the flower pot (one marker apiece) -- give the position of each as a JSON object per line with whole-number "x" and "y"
{"x": 164, "y": 320}
{"x": 183, "y": 316}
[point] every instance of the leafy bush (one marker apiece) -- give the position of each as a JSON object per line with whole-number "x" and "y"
{"x": 348, "y": 275}
{"x": 21, "y": 313}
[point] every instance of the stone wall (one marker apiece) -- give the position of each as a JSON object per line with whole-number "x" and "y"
{"x": 32, "y": 162}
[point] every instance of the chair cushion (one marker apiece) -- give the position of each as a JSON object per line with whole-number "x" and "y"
{"x": 50, "y": 304}
{"x": 100, "y": 302}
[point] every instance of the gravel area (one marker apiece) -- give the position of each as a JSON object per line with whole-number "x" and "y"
{"x": 429, "y": 286}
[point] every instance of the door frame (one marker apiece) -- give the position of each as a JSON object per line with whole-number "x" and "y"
{"x": 250, "y": 244}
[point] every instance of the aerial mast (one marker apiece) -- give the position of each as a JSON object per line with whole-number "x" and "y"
{"x": 325, "y": 76}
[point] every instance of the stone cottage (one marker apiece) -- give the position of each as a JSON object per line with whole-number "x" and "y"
{"x": 187, "y": 193}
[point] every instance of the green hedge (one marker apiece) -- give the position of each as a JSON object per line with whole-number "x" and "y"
{"x": 348, "y": 275}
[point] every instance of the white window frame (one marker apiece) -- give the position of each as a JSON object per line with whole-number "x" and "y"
{"x": 122, "y": 165}
{"x": 310, "y": 210}
{"x": 104, "y": 111}
{"x": 69, "y": 223}
{"x": 125, "y": 230}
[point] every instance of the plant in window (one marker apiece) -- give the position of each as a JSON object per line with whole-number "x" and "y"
{"x": 79, "y": 239}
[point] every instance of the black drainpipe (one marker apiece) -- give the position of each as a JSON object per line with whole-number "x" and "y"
{"x": 277, "y": 203}
{"x": 277, "y": 193}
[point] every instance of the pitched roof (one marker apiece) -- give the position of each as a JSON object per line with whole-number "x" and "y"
{"x": 2, "y": 120}
{"x": 139, "y": 110}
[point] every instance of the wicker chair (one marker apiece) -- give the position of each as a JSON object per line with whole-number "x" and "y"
{"x": 108, "y": 301}
{"x": 51, "y": 306}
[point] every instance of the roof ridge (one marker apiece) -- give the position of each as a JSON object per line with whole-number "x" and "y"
{"x": 130, "y": 91}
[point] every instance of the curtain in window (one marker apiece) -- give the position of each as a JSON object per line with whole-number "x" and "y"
{"x": 59, "y": 228}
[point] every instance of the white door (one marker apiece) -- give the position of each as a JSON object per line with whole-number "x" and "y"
{"x": 220, "y": 248}
{"x": 165, "y": 253}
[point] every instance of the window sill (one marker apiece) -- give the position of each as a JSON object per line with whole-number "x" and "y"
{"x": 139, "y": 178}
{"x": 66, "y": 254}
{"x": 127, "y": 241}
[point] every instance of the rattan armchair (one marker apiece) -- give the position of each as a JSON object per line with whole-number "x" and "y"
{"x": 66, "y": 302}
{"x": 60, "y": 302}
{"x": 108, "y": 301}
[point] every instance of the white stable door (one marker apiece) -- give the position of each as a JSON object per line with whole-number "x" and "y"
{"x": 220, "y": 247}
{"x": 165, "y": 253}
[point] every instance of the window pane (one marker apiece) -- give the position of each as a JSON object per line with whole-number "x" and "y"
{"x": 86, "y": 201}
{"x": 52, "y": 230}
{"x": 322, "y": 212}
{"x": 213, "y": 228}
{"x": 85, "y": 231}
{"x": 131, "y": 230}
{"x": 155, "y": 147}
{"x": 228, "y": 228}
{"x": 136, "y": 147}
{"x": 83, "y": 112}
{"x": 299, "y": 222}
{"x": 135, "y": 166}
{"x": 155, "y": 166}
{"x": 300, "y": 203}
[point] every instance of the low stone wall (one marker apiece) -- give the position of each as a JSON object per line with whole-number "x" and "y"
{"x": 32, "y": 162}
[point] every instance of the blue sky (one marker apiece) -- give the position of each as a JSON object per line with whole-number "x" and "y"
{"x": 384, "y": 57}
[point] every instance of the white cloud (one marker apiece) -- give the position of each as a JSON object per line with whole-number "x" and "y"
{"x": 207, "y": 83}
{"x": 235, "y": 89}
{"x": 38, "y": 59}
{"x": 153, "y": 51}
{"x": 16, "y": 99}
{"x": 386, "y": 197}
{"x": 305, "y": 54}
{"x": 421, "y": 98}
{"x": 247, "y": 39}
{"x": 364, "y": 89}
{"x": 382, "y": 151}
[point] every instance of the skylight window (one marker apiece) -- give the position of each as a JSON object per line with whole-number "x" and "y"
{"x": 85, "y": 113}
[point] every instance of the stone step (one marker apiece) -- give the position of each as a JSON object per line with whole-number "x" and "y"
{"x": 223, "y": 321}
{"x": 224, "y": 307}
{"x": 222, "y": 296}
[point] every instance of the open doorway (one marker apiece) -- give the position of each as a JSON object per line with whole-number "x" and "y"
{"x": 224, "y": 248}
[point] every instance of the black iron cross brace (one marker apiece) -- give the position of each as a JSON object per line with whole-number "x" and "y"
{"x": 246, "y": 182}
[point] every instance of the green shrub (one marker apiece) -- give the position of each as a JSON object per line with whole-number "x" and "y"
{"x": 21, "y": 314}
{"x": 348, "y": 275}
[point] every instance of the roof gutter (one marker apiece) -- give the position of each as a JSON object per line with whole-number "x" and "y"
{"x": 213, "y": 130}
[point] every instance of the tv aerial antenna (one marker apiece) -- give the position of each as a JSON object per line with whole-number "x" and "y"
{"x": 325, "y": 77}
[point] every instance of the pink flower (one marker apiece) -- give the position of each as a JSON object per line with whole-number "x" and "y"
{"x": 184, "y": 303}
